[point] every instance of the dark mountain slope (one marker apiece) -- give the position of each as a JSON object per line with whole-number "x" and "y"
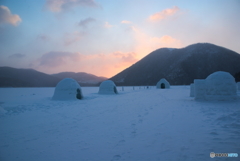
{"x": 12, "y": 77}
{"x": 180, "y": 66}
{"x": 81, "y": 77}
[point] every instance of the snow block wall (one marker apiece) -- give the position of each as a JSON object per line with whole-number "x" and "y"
{"x": 219, "y": 86}
{"x": 238, "y": 85}
{"x": 67, "y": 89}
{"x": 199, "y": 89}
{"x": 107, "y": 87}
{"x": 163, "y": 83}
{"x": 192, "y": 90}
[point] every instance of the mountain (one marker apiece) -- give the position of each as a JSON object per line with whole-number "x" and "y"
{"x": 12, "y": 77}
{"x": 180, "y": 66}
{"x": 83, "y": 78}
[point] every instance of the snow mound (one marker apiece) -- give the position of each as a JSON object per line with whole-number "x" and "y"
{"x": 219, "y": 86}
{"x": 107, "y": 87}
{"x": 163, "y": 83}
{"x": 67, "y": 89}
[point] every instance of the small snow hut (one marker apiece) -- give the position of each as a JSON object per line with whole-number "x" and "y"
{"x": 163, "y": 83}
{"x": 67, "y": 89}
{"x": 107, "y": 87}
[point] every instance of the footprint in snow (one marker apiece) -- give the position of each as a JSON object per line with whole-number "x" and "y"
{"x": 116, "y": 157}
{"x": 134, "y": 133}
{"x": 140, "y": 120}
{"x": 213, "y": 133}
{"x": 122, "y": 141}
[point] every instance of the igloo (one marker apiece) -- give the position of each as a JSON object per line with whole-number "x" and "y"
{"x": 220, "y": 86}
{"x": 67, "y": 89}
{"x": 107, "y": 87}
{"x": 163, "y": 83}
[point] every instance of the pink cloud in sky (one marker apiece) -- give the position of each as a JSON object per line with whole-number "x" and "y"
{"x": 163, "y": 14}
{"x": 85, "y": 22}
{"x": 70, "y": 38}
{"x": 60, "y": 5}
{"x": 126, "y": 57}
{"x": 146, "y": 43}
{"x": 126, "y": 22}
{"x": 99, "y": 64}
{"x": 107, "y": 25}
{"x": 17, "y": 56}
{"x": 43, "y": 37}
{"x": 166, "y": 40}
{"x": 110, "y": 64}
{"x": 105, "y": 64}
{"x": 56, "y": 58}
{"x": 6, "y": 17}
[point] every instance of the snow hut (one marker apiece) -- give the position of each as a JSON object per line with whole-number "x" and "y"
{"x": 163, "y": 83}
{"x": 67, "y": 89}
{"x": 107, "y": 87}
{"x": 220, "y": 86}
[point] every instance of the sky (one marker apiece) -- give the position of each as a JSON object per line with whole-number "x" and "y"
{"x": 104, "y": 37}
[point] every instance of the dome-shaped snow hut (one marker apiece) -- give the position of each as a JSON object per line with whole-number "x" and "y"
{"x": 163, "y": 83}
{"x": 220, "y": 86}
{"x": 67, "y": 89}
{"x": 107, "y": 87}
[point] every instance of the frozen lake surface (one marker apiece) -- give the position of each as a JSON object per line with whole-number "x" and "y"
{"x": 135, "y": 125}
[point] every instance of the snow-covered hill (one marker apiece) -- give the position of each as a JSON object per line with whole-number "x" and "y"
{"x": 141, "y": 124}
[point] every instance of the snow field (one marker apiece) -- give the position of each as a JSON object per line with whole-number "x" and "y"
{"x": 141, "y": 124}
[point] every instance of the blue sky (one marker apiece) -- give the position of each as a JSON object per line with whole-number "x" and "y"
{"x": 104, "y": 37}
